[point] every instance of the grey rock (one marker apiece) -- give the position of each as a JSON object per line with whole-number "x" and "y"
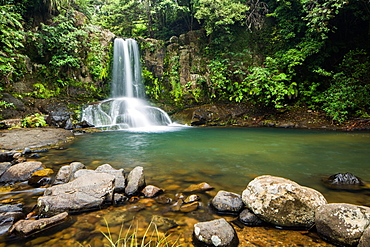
{"x": 120, "y": 181}
{"x": 11, "y": 208}
{"x": 83, "y": 193}
{"x": 344, "y": 181}
{"x": 6, "y": 156}
{"x": 4, "y": 166}
{"x": 365, "y": 238}
{"x": 227, "y": 202}
{"x": 27, "y": 227}
{"x": 215, "y": 233}
{"x": 341, "y": 223}
{"x": 20, "y": 172}
{"x": 250, "y": 219}
{"x": 66, "y": 173}
{"x": 151, "y": 191}
{"x": 282, "y": 202}
{"x": 135, "y": 181}
{"x": 7, "y": 219}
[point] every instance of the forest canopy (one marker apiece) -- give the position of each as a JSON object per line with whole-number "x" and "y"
{"x": 272, "y": 52}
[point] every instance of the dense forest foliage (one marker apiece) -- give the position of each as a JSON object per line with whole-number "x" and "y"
{"x": 277, "y": 53}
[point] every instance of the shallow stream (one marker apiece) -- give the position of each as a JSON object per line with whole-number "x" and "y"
{"x": 226, "y": 158}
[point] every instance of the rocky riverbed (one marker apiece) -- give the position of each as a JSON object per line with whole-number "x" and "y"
{"x": 178, "y": 210}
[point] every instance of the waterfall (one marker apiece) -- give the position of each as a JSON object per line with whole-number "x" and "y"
{"x": 127, "y": 108}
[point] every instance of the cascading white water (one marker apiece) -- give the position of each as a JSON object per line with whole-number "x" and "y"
{"x": 127, "y": 108}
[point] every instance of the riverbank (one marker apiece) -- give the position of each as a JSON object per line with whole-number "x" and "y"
{"x": 19, "y": 139}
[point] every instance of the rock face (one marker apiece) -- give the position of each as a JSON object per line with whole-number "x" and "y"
{"x": 83, "y": 193}
{"x": 342, "y": 223}
{"x": 20, "y": 172}
{"x": 135, "y": 181}
{"x": 227, "y": 202}
{"x": 215, "y": 233}
{"x": 282, "y": 202}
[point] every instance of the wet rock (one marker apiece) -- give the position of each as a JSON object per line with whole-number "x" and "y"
{"x": 20, "y": 172}
{"x": 43, "y": 172}
{"x": 35, "y": 156}
{"x": 162, "y": 199}
{"x": 343, "y": 181}
{"x": 191, "y": 198}
{"x": 282, "y": 202}
{"x": 6, "y": 156}
{"x": 215, "y": 233}
{"x": 250, "y": 219}
{"x": 58, "y": 114}
{"x": 365, "y": 238}
{"x": 198, "y": 187}
{"x": 177, "y": 205}
{"x": 84, "y": 124}
{"x": 342, "y": 223}
{"x": 37, "y": 181}
{"x": 7, "y": 219}
{"x": 227, "y": 202}
{"x": 164, "y": 223}
{"x": 27, "y": 227}
{"x": 151, "y": 191}
{"x": 188, "y": 207}
{"x": 11, "y": 208}
{"x": 83, "y": 193}
{"x": 135, "y": 181}
{"x": 119, "y": 199}
{"x": 66, "y": 173}
{"x": 4, "y": 166}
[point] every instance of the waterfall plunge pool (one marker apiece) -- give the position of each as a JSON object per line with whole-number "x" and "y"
{"x": 175, "y": 157}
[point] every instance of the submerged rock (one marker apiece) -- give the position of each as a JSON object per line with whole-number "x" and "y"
{"x": 215, "y": 233}
{"x": 227, "y": 202}
{"x": 282, "y": 202}
{"x": 198, "y": 187}
{"x": 83, "y": 193}
{"x": 341, "y": 223}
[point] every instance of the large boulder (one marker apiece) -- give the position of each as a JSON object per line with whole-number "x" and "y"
{"x": 20, "y": 172}
{"x": 282, "y": 202}
{"x": 83, "y": 193}
{"x": 227, "y": 202}
{"x": 135, "y": 181}
{"x": 215, "y": 233}
{"x": 341, "y": 223}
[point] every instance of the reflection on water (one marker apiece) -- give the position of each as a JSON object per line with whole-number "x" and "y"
{"x": 226, "y": 158}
